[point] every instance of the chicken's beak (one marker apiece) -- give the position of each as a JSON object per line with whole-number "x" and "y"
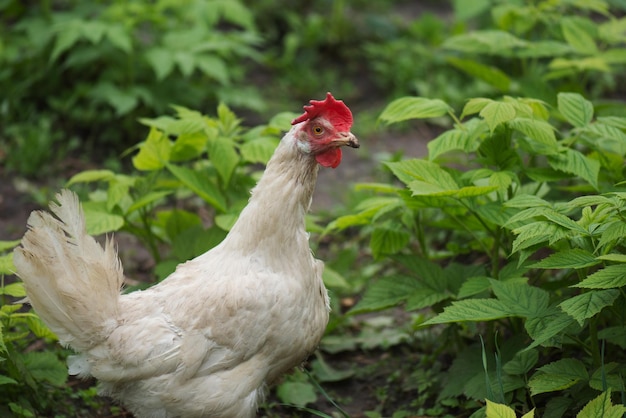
{"x": 346, "y": 138}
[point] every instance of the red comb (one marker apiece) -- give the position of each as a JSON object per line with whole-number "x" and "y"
{"x": 335, "y": 111}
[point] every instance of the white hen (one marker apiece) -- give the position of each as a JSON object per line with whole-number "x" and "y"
{"x": 207, "y": 340}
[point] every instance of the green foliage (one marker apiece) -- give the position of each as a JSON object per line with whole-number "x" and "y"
{"x": 513, "y": 219}
{"x": 91, "y": 68}
{"x": 26, "y": 374}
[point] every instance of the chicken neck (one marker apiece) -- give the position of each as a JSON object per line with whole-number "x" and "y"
{"x": 274, "y": 218}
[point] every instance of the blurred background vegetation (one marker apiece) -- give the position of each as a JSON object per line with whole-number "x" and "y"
{"x": 75, "y": 76}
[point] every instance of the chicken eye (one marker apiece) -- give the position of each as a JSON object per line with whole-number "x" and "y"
{"x": 318, "y": 130}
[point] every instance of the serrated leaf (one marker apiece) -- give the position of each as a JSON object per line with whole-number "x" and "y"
{"x": 558, "y": 375}
{"x": 188, "y": 146}
{"x": 213, "y": 67}
{"x": 154, "y": 153}
{"x": 119, "y": 36}
{"x": 69, "y": 35}
{"x": 413, "y": 108}
{"x": 472, "y": 310}
{"x": 7, "y": 245}
{"x": 45, "y": 366}
{"x": 496, "y": 410}
{"x": 576, "y": 34}
{"x": 489, "y": 74}
{"x": 497, "y": 113}
{"x": 575, "y": 258}
{"x": 583, "y": 307}
{"x": 538, "y": 130}
{"x": 6, "y": 264}
{"x": 37, "y": 327}
{"x": 428, "y": 172}
{"x": 453, "y": 140}
{"x": 548, "y": 325}
{"x": 474, "y": 106}
{"x": 89, "y": 176}
{"x": 147, "y": 199}
{"x": 522, "y": 362}
{"x": 198, "y": 183}
{"x": 388, "y": 241}
{"x": 16, "y": 289}
{"x": 526, "y": 201}
{"x": 386, "y": 292}
{"x": 258, "y": 150}
{"x": 224, "y": 157}
{"x": 521, "y": 299}
{"x": 474, "y": 286}
{"x": 575, "y": 108}
{"x": 602, "y": 407}
{"x": 607, "y": 278}
{"x": 99, "y": 220}
{"x": 574, "y": 162}
{"x": 161, "y": 60}
{"x": 334, "y": 279}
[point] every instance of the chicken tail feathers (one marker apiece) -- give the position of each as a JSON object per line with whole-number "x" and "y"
{"x": 72, "y": 282}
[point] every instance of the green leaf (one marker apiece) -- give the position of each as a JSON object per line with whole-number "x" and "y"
{"x": 607, "y": 278}
{"x": 413, "y": 108}
{"x": 576, "y": 33}
{"x": 497, "y": 113}
{"x": 496, "y": 410}
{"x": 520, "y": 298}
{"x": 45, "y": 366}
{"x": 386, "y": 292}
{"x": 452, "y": 140}
{"x": 6, "y": 264}
{"x": 538, "y": 130}
{"x": 214, "y": 67}
{"x": 66, "y": 38}
{"x": 90, "y": 176}
{"x": 474, "y": 286}
{"x": 602, "y": 407}
{"x": 4, "y": 380}
{"x": 474, "y": 106}
{"x": 575, "y": 109}
{"x": 575, "y": 258}
{"x": 119, "y": 37}
{"x": 99, "y": 220}
{"x": 13, "y": 289}
{"x": 154, "y": 153}
{"x": 558, "y": 375}
{"x": 583, "y": 307}
{"x": 489, "y": 74}
{"x": 161, "y": 60}
{"x": 425, "y": 171}
{"x": 147, "y": 199}
{"x": 574, "y": 162}
{"x": 388, "y": 241}
{"x": 7, "y": 245}
{"x": 546, "y": 326}
{"x": 258, "y": 150}
{"x": 296, "y": 393}
{"x": 37, "y": 327}
{"x": 224, "y": 157}
{"x": 472, "y": 310}
{"x": 334, "y": 279}
{"x": 199, "y": 184}
{"x": 522, "y": 362}
{"x": 188, "y": 146}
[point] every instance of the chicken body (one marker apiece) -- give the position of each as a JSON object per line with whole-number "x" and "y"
{"x": 207, "y": 340}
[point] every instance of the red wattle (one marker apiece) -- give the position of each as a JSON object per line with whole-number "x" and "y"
{"x": 329, "y": 158}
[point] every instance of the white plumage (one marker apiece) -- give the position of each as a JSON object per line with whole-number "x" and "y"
{"x": 207, "y": 340}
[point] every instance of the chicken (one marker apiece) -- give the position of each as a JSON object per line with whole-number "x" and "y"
{"x": 209, "y": 339}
